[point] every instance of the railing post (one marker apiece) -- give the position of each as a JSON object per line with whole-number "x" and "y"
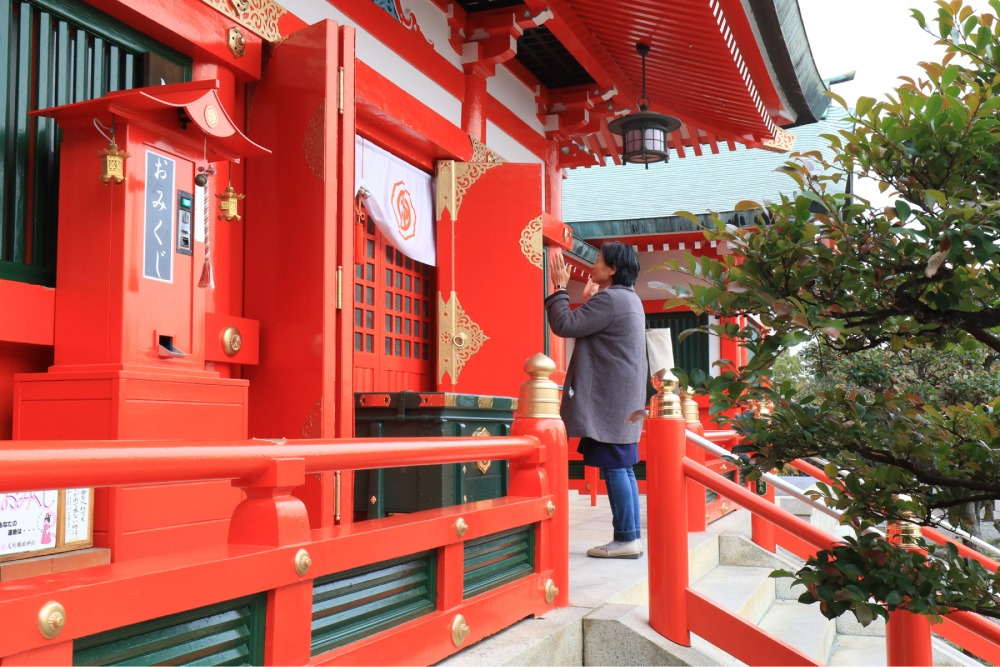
{"x": 270, "y": 515}
{"x": 907, "y": 635}
{"x": 666, "y": 499}
{"x": 538, "y": 415}
{"x": 697, "y": 515}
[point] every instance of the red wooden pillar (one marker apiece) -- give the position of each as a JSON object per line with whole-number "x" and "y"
{"x": 697, "y": 514}
{"x": 666, "y": 498}
{"x": 907, "y": 635}
{"x": 474, "y": 103}
{"x": 288, "y": 627}
{"x": 538, "y": 415}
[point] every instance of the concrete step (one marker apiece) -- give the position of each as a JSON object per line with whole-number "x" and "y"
{"x": 747, "y": 591}
{"x": 858, "y": 651}
{"x": 802, "y": 627}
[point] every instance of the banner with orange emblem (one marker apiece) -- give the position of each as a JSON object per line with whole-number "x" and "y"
{"x": 399, "y": 198}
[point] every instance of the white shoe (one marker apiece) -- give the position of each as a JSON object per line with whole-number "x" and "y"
{"x": 614, "y": 549}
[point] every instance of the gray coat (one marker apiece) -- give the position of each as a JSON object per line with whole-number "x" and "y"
{"x": 606, "y": 378}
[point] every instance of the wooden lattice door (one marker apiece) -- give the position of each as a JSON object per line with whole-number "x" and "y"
{"x": 393, "y": 309}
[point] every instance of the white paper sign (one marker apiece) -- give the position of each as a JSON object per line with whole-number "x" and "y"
{"x": 28, "y": 521}
{"x": 400, "y": 201}
{"x": 77, "y": 515}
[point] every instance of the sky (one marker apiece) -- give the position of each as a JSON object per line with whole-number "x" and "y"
{"x": 877, "y": 38}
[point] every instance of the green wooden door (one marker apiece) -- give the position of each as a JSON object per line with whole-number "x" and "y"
{"x": 228, "y": 633}
{"x": 52, "y": 52}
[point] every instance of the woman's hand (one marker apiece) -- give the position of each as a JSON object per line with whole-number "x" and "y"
{"x": 590, "y": 290}
{"x": 558, "y": 270}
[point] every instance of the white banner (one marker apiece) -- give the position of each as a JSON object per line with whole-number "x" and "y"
{"x": 401, "y": 200}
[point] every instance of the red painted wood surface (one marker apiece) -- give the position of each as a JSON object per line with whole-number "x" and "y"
{"x": 496, "y": 205}
{"x": 216, "y": 325}
{"x": 908, "y": 640}
{"x": 668, "y": 539}
{"x": 739, "y": 637}
{"x": 116, "y": 595}
{"x": 292, "y": 239}
{"x": 31, "y": 311}
{"x": 978, "y": 645}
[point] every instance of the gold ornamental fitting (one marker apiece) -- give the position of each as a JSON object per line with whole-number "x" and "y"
{"x": 550, "y": 507}
{"x": 904, "y": 534}
{"x": 551, "y": 592}
{"x": 302, "y": 562}
{"x": 51, "y": 620}
{"x": 691, "y": 415}
{"x": 539, "y": 397}
{"x": 232, "y": 341}
{"x": 461, "y": 527}
{"x": 666, "y": 404}
{"x": 459, "y": 630}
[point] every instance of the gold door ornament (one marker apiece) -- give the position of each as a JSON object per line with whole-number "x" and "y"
{"x": 454, "y": 179}
{"x": 531, "y": 242}
{"x": 459, "y": 338}
{"x": 481, "y": 432}
{"x": 483, "y": 153}
{"x": 260, "y": 17}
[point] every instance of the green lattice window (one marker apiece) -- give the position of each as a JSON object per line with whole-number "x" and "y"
{"x": 53, "y": 52}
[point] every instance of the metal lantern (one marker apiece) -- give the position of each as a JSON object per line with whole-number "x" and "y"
{"x": 644, "y": 134}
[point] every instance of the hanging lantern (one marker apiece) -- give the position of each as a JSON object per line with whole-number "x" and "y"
{"x": 644, "y": 134}
{"x": 228, "y": 199}
{"x": 112, "y": 159}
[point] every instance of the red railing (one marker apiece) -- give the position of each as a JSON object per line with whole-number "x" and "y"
{"x": 270, "y": 527}
{"x": 676, "y": 610}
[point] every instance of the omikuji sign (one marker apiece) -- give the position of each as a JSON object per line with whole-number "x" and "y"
{"x": 28, "y": 521}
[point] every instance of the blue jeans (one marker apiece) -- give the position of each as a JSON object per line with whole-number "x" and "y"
{"x": 623, "y": 494}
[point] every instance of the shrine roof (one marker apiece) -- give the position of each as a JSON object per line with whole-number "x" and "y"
{"x": 620, "y": 195}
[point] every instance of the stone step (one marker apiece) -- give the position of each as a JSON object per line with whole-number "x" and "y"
{"x": 858, "y": 651}
{"x": 746, "y": 591}
{"x": 802, "y": 627}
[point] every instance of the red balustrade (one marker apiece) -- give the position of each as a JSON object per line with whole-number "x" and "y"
{"x": 271, "y": 548}
{"x": 676, "y": 610}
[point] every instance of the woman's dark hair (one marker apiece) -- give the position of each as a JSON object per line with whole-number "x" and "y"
{"x": 625, "y": 259}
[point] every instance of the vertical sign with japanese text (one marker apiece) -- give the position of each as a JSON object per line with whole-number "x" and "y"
{"x": 158, "y": 226}
{"x": 77, "y": 509}
{"x": 28, "y": 521}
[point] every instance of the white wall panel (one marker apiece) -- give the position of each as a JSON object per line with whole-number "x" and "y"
{"x": 515, "y": 96}
{"x": 383, "y": 59}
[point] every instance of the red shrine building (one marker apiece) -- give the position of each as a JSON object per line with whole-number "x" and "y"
{"x": 240, "y": 239}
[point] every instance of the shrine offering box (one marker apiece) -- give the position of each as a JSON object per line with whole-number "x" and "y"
{"x": 40, "y": 523}
{"x": 410, "y": 414}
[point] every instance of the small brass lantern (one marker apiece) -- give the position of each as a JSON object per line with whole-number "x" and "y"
{"x": 112, "y": 164}
{"x": 227, "y": 204}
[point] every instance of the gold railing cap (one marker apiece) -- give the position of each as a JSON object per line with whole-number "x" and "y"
{"x": 539, "y": 396}
{"x": 539, "y": 366}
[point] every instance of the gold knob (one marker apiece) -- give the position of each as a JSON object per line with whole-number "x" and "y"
{"x": 725, "y": 507}
{"x": 302, "y": 562}
{"x": 459, "y": 630}
{"x": 373, "y": 500}
{"x": 461, "y": 527}
{"x": 550, "y": 507}
{"x": 566, "y": 234}
{"x": 458, "y": 340}
{"x": 232, "y": 341}
{"x": 551, "y": 592}
{"x": 51, "y": 620}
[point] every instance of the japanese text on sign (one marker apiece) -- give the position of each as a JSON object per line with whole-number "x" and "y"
{"x": 28, "y": 521}
{"x": 77, "y": 512}
{"x": 158, "y": 227}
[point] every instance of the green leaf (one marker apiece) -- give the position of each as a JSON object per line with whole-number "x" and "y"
{"x": 902, "y": 210}
{"x": 747, "y": 205}
{"x": 690, "y": 216}
{"x": 864, "y": 105}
